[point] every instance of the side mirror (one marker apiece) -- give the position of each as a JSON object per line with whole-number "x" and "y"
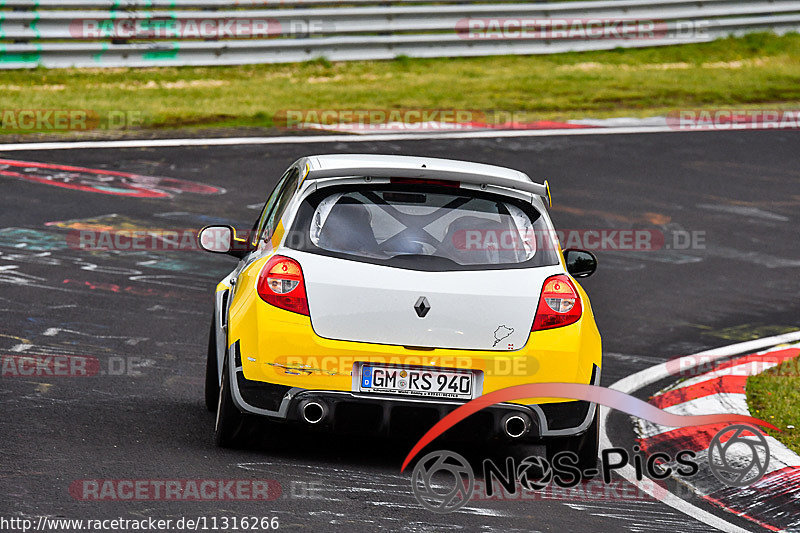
{"x": 580, "y": 263}
{"x": 222, "y": 240}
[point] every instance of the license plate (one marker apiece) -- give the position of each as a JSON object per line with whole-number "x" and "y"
{"x": 417, "y": 382}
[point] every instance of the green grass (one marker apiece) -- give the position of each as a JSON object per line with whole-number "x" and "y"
{"x": 758, "y": 70}
{"x": 774, "y": 396}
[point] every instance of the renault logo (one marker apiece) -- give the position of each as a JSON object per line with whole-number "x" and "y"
{"x": 422, "y": 307}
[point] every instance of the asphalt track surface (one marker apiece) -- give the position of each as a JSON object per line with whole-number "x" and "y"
{"x": 739, "y": 189}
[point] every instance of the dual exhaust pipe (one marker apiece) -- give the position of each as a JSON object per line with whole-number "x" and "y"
{"x": 514, "y": 425}
{"x": 313, "y": 412}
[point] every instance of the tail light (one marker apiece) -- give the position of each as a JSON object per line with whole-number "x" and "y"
{"x": 559, "y": 304}
{"x": 281, "y": 284}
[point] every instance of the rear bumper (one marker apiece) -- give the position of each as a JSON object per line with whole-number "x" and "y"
{"x": 345, "y": 411}
{"x": 281, "y": 347}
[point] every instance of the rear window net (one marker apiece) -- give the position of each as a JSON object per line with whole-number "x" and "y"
{"x": 433, "y": 227}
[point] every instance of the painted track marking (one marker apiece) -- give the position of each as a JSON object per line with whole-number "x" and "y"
{"x": 313, "y": 139}
{"x": 655, "y": 373}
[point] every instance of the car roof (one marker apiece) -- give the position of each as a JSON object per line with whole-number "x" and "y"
{"x": 400, "y": 163}
{"x": 400, "y": 166}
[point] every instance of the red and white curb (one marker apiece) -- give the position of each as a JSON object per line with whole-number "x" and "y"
{"x": 359, "y": 128}
{"x": 773, "y": 501}
{"x": 426, "y": 132}
{"x": 714, "y": 120}
{"x": 431, "y": 126}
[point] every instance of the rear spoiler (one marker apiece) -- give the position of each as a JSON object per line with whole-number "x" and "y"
{"x": 538, "y": 189}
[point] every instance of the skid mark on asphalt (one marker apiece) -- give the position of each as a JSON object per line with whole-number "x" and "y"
{"x": 43, "y": 388}
{"x": 749, "y": 171}
{"x": 756, "y": 203}
{"x": 108, "y": 237}
{"x": 180, "y": 282}
{"x": 656, "y": 256}
{"x": 165, "y": 243}
{"x": 10, "y": 274}
{"x": 198, "y": 219}
{"x": 102, "y": 181}
{"x": 130, "y": 341}
{"x": 622, "y": 264}
{"x": 115, "y": 237}
{"x": 111, "y": 221}
{"x": 51, "y": 348}
{"x": 48, "y": 349}
{"x": 387, "y": 523}
{"x": 744, "y": 211}
{"x": 394, "y": 491}
{"x": 642, "y": 517}
{"x": 744, "y": 332}
{"x": 480, "y": 511}
{"x": 14, "y": 274}
{"x": 398, "y": 488}
{"x": 48, "y": 259}
{"x": 650, "y": 218}
{"x": 113, "y": 289}
{"x": 160, "y": 308}
{"x": 31, "y": 240}
{"x": 755, "y": 258}
{"x": 643, "y": 359}
{"x": 14, "y": 337}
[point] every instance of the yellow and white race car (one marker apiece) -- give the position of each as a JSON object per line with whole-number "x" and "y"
{"x": 374, "y": 291}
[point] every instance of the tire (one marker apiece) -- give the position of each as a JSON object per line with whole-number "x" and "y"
{"x": 212, "y": 373}
{"x": 230, "y": 423}
{"x": 585, "y": 446}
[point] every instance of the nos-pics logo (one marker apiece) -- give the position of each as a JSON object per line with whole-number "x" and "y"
{"x": 443, "y": 481}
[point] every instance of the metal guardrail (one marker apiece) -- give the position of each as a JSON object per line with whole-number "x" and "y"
{"x": 138, "y": 33}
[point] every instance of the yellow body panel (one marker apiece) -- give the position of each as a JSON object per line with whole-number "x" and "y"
{"x": 281, "y": 347}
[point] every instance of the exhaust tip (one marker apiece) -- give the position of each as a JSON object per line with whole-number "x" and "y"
{"x": 515, "y": 426}
{"x": 313, "y": 412}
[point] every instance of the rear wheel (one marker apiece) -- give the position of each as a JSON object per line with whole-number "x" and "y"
{"x": 230, "y": 422}
{"x": 212, "y": 374}
{"x": 585, "y": 446}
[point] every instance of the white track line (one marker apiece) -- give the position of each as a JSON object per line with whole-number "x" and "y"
{"x": 745, "y": 369}
{"x": 653, "y": 374}
{"x": 313, "y": 139}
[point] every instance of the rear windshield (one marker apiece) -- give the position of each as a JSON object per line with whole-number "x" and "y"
{"x": 423, "y": 228}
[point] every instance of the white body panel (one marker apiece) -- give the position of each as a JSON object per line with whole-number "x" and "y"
{"x": 478, "y": 310}
{"x": 387, "y": 166}
{"x": 390, "y": 293}
{"x": 339, "y": 165}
